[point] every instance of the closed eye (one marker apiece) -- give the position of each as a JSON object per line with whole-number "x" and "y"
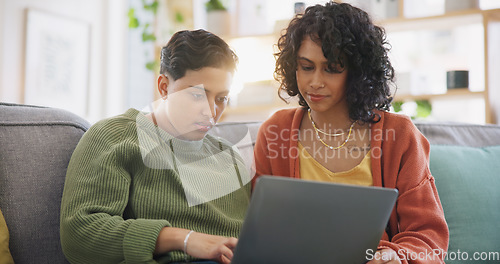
{"x": 307, "y": 68}
{"x": 334, "y": 68}
{"x": 198, "y": 96}
{"x": 222, "y": 99}
{"x": 330, "y": 70}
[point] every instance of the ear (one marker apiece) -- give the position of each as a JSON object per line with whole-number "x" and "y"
{"x": 163, "y": 82}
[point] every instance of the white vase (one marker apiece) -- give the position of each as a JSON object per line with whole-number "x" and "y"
{"x": 219, "y": 22}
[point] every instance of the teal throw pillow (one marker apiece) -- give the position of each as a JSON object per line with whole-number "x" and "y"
{"x": 468, "y": 183}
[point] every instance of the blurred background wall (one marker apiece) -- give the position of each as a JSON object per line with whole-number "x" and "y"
{"x": 98, "y": 58}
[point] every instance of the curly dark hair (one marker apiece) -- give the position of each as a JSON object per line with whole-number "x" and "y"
{"x": 193, "y": 50}
{"x": 349, "y": 39}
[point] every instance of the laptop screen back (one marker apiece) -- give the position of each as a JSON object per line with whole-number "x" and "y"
{"x": 297, "y": 221}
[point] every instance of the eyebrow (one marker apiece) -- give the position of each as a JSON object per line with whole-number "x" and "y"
{"x": 310, "y": 61}
{"x": 197, "y": 87}
{"x": 207, "y": 91}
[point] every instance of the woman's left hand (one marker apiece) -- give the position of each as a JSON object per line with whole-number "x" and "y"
{"x": 385, "y": 256}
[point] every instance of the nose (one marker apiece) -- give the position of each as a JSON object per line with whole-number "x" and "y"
{"x": 210, "y": 108}
{"x": 317, "y": 80}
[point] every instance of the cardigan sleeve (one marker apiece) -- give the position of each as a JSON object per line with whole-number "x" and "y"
{"x": 261, "y": 154}
{"x": 273, "y": 155}
{"x": 417, "y": 228}
{"x": 95, "y": 197}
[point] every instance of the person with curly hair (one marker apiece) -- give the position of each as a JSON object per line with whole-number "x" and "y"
{"x": 335, "y": 61}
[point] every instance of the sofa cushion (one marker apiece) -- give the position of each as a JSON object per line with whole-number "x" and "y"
{"x": 35, "y": 147}
{"x": 468, "y": 183}
{"x": 460, "y": 134}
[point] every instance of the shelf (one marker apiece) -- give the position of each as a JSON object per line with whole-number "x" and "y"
{"x": 452, "y": 93}
{"x": 437, "y": 22}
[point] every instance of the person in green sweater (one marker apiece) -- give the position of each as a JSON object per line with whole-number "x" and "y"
{"x": 156, "y": 187}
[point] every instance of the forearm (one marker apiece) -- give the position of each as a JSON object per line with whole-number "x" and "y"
{"x": 170, "y": 239}
{"x": 422, "y": 230}
{"x": 197, "y": 245}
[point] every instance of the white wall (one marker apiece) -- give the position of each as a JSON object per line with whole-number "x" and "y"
{"x": 140, "y": 81}
{"x": 107, "y": 20}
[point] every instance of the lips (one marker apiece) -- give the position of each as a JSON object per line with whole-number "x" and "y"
{"x": 315, "y": 97}
{"x": 204, "y": 126}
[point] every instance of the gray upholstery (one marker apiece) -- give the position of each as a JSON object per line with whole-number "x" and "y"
{"x": 35, "y": 147}
{"x": 36, "y": 144}
{"x": 458, "y": 134}
{"x": 234, "y": 132}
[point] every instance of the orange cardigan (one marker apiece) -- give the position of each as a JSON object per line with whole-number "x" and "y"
{"x": 417, "y": 229}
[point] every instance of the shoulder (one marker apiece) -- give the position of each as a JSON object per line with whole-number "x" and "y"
{"x": 282, "y": 118}
{"x": 394, "y": 119}
{"x": 397, "y": 122}
{"x": 284, "y": 114}
{"x": 400, "y": 129}
{"x": 114, "y": 138}
{"x": 116, "y": 127}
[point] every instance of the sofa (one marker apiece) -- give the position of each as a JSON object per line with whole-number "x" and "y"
{"x": 36, "y": 144}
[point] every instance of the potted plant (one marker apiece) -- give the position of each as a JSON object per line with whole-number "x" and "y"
{"x": 218, "y": 18}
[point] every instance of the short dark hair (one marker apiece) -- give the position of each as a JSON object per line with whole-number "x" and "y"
{"x": 193, "y": 50}
{"x": 349, "y": 39}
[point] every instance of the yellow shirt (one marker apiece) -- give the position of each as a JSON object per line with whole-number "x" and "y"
{"x": 310, "y": 169}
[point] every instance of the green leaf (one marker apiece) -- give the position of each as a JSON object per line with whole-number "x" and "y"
{"x": 133, "y": 22}
{"x": 146, "y": 36}
{"x": 152, "y": 65}
{"x": 153, "y": 6}
{"x": 424, "y": 108}
{"x": 212, "y": 5}
{"x": 179, "y": 17}
{"x": 131, "y": 12}
{"x": 397, "y": 106}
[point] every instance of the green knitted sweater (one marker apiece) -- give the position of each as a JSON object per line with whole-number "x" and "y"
{"x": 127, "y": 179}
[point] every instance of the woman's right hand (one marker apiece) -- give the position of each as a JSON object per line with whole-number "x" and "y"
{"x": 212, "y": 247}
{"x": 198, "y": 245}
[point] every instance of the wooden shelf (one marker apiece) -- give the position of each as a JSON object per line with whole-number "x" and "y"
{"x": 458, "y": 16}
{"x": 488, "y": 22}
{"x": 452, "y": 93}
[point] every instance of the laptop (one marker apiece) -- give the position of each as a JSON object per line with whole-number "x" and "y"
{"x": 298, "y": 221}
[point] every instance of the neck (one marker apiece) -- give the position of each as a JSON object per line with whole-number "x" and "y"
{"x": 161, "y": 120}
{"x": 331, "y": 120}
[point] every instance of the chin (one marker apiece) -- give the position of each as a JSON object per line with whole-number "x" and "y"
{"x": 193, "y": 136}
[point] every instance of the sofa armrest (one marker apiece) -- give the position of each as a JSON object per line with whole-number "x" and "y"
{"x": 36, "y": 145}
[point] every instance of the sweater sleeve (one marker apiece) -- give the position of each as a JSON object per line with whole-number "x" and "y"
{"x": 95, "y": 197}
{"x": 418, "y": 230}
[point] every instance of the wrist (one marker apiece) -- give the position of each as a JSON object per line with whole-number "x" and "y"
{"x": 186, "y": 239}
{"x": 170, "y": 239}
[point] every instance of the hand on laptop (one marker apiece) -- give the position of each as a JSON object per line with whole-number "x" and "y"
{"x": 198, "y": 245}
{"x": 212, "y": 247}
{"x": 385, "y": 256}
